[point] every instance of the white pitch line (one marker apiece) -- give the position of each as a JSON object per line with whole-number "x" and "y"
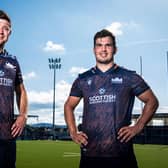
{"x": 71, "y": 154}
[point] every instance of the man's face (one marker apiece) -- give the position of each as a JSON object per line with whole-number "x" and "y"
{"x": 5, "y": 31}
{"x": 104, "y": 50}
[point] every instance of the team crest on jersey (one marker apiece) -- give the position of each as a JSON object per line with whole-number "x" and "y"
{"x": 89, "y": 82}
{"x": 117, "y": 80}
{"x": 102, "y": 91}
{"x": 9, "y": 65}
{"x": 2, "y": 73}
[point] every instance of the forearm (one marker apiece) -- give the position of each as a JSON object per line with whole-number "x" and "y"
{"x": 23, "y": 105}
{"x": 128, "y": 132}
{"x": 70, "y": 120}
{"x": 148, "y": 111}
{"x": 77, "y": 136}
{"x": 22, "y": 101}
{"x": 21, "y": 98}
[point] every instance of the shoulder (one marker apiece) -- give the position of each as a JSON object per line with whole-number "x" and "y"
{"x": 89, "y": 73}
{"x": 128, "y": 74}
{"x": 126, "y": 71}
{"x": 7, "y": 55}
{"x": 11, "y": 59}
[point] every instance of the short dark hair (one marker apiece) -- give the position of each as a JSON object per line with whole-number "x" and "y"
{"x": 104, "y": 33}
{"x": 4, "y": 16}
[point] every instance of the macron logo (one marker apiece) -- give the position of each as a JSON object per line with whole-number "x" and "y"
{"x": 9, "y": 65}
{"x": 117, "y": 80}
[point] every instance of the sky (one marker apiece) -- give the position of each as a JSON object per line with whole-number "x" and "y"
{"x": 44, "y": 29}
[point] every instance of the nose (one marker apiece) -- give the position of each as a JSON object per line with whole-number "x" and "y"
{"x": 1, "y": 30}
{"x": 103, "y": 47}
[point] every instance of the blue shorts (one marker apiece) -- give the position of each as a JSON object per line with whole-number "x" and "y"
{"x": 7, "y": 153}
{"x": 108, "y": 162}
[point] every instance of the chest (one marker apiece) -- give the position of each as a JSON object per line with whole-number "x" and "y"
{"x": 106, "y": 85}
{"x": 7, "y": 73}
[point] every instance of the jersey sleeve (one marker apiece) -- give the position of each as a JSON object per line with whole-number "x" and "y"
{"x": 75, "y": 89}
{"x": 19, "y": 77}
{"x": 139, "y": 85}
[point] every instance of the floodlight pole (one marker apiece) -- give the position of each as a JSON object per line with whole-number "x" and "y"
{"x": 141, "y": 75}
{"x": 54, "y": 64}
{"x": 167, "y": 66}
{"x": 167, "y": 63}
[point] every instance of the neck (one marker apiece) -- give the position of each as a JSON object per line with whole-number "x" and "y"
{"x": 1, "y": 49}
{"x": 104, "y": 67}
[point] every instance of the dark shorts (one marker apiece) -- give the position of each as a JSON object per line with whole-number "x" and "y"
{"x": 7, "y": 153}
{"x": 108, "y": 162}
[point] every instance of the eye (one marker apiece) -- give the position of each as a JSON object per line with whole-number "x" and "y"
{"x": 98, "y": 45}
{"x": 6, "y": 29}
{"x": 109, "y": 45}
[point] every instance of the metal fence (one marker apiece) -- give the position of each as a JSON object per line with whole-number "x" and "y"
{"x": 153, "y": 135}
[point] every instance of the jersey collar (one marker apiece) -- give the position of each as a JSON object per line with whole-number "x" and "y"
{"x": 114, "y": 67}
{"x": 4, "y": 53}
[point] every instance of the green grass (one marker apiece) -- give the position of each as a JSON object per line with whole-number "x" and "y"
{"x": 65, "y": 154}
{"x": 152, "y": 156}
{"x": 47, "y": 154}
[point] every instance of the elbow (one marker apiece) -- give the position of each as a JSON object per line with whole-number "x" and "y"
{"x": 155, "y": 103}
{"x": 67, "y": 108}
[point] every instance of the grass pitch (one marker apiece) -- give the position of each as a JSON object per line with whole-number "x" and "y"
{"x": 66, "y": 154}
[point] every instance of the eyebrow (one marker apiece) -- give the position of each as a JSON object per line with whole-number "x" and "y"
{"x": 107, "y": 44}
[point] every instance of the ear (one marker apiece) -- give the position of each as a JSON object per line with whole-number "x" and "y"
{"x": 10, "y": 33}
{"x": 93, "y": 49}
{"x": 115, "y": 50}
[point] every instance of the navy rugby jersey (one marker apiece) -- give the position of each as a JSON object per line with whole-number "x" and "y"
{"x": 10, "y": 77}
{"x": 108, "y": 102}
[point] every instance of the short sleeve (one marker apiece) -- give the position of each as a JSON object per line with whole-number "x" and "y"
{"x": 76, "y": 89}
{"x": 18, "y": 78}
{"x": 139, "y": 85}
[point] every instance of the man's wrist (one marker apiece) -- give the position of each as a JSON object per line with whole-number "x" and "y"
{"x": 23, "y": 115}
{"x": 140, "y": 125}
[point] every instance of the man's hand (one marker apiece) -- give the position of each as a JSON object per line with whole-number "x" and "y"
{"x": 128, "y": 132}
{"x": 79, "y": 138}
{"x": 18, "y": 125}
